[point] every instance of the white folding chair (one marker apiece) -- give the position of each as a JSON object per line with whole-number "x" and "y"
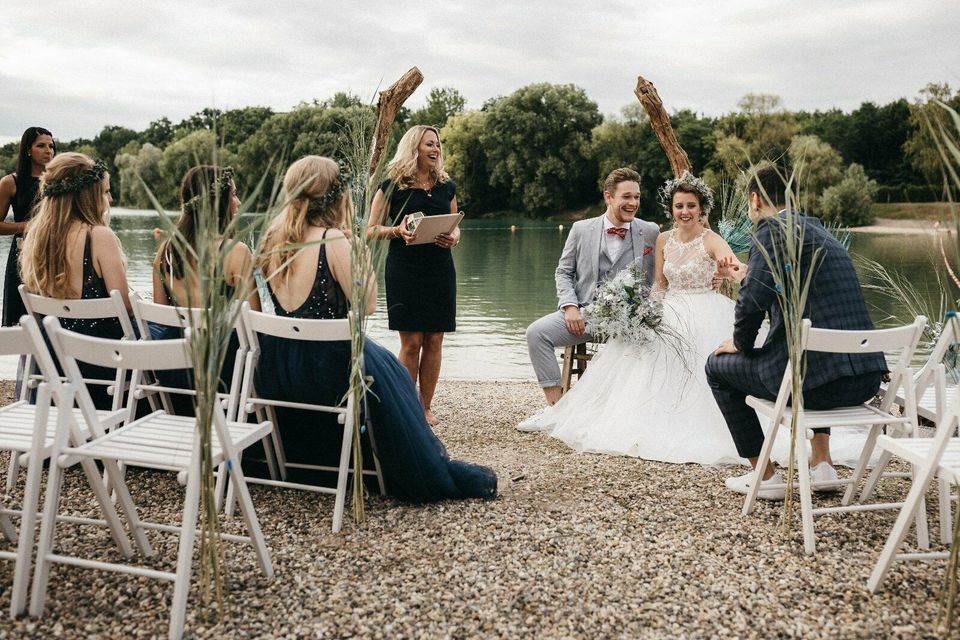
{"x": 157, "y": 439}
{"x": 251, "y": 401}
{"x": 27, "y": 431}
{"x": 934, "y": 399}
{"x": 902, "y": 340}
{"x": 939, "y": 455}
{"x": 39, "y": 306}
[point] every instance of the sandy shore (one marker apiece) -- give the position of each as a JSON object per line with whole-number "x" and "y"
{"x": 576, "y": 546}
{"x": 902, "y": 227}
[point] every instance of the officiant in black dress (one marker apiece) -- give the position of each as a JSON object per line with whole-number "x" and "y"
{"x": 421, "y": 280}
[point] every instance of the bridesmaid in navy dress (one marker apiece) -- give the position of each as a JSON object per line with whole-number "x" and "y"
{"x": 70, "y": 251}
{"x": 421, "y": 280}
{"x": 316, "y": 284}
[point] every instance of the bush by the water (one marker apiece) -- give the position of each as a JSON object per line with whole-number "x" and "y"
{"x": 849, "y": 202}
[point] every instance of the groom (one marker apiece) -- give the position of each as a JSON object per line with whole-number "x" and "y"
{"x": 596, "y": 249}
{"x": 835, "y": 301}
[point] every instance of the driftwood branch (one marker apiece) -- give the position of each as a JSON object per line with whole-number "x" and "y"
{"x": 647, "y": 95}
{"x": 389, "y": 103}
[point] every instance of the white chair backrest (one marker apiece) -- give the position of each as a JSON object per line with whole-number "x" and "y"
{"x": 120, "y": 354}
{"x": 864, "y": 341}
{"x": 80, "y": 309}
{"x": 27, "y": 340}
{"x": 256, "y": 322}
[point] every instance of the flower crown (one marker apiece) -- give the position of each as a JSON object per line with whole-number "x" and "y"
{"x": 222, "y": 183}
{"x": 690, "y": 181}
{"x": 334, "y": 191}
{"x": 76, "y": 183}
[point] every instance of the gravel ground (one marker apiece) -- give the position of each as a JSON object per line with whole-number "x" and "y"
{"x": 576, "y": 546}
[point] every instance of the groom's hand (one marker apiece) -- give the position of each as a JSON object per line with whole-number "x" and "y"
{"x": 573, "y": 320}
{"x": 725, "y": 347}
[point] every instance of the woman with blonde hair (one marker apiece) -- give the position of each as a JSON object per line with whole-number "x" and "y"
{"x": 70, "y": 252}
{"x": 421, "y": 280}
{"x": 305, "y": 258}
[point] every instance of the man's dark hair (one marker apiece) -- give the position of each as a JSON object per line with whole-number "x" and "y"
{"x": 770, "y": 183}
{"x": 623, "y": 174}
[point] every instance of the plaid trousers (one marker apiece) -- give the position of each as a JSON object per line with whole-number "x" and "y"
{"x": 733, "y": 376}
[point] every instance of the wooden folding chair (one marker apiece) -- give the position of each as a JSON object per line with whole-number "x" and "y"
{"x": 27, "y": 431}
{"x": 158, "y": 440}
{"x": 251, "y": 401}
{"x": 903, "y": 341}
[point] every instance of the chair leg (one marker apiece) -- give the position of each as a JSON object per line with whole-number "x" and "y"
{"x": 28, "y": 521}
{"x": 907, "y": 513}
{"x": 48, "y": 529}
{"x": 875, "y": 476}
{"x": 806, "y": 497}
{"x": 344, "y": 471}
{"x": 376, "y": 460}
{"x": 567, "y": 371}
{"x": 221, "y": 484}
{"x": 861, "y": 468}
{"x": 250, "y": 519}
{"x": 946, "y": 512}
{"x": 920, "y": 519}
{"x": 107, "y": 507}
{"x": 281, "y": 456}
{"x": 123, "y": 497}
{"x": 6, "y": 526}
{"x": 188, "y": 530}
{"x": 751, "y": 500}
{"x": 13, "y": 469}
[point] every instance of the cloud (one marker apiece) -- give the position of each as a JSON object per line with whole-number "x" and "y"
{"x": 76, "y": 67}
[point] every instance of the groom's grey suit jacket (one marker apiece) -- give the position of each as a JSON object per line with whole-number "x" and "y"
{"x": 584, "y": 262}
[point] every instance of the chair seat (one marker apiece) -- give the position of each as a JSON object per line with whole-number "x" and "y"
{"x": 165, "y": 441}
{"x": 927, "y": 404}
{"x": 840, "y": 417}
{"x": 917, "y": 450}
{"x": 17, "y": 421}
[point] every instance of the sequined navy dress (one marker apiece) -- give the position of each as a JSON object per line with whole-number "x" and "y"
{"x": 415, "y": 464}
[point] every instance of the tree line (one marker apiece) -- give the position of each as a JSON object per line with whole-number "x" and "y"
{"x": 546, "y": 147}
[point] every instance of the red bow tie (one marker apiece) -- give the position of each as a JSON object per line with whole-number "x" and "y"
{"x": 620, "y": 232}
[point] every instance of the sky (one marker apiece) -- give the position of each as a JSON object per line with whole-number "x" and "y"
{"x": 75, "y": 67}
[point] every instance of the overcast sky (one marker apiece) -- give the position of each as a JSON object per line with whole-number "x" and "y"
{"x": 75, "y": 66}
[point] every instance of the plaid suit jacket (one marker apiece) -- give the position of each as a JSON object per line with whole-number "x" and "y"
{"x": 835, "y": 301}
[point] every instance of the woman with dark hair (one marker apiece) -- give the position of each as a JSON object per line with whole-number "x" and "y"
{"x": 19, "y": 190}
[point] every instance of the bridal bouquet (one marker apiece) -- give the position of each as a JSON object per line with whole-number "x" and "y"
{"x": 622, "y": 308}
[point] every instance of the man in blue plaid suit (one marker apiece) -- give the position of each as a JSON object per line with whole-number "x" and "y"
{"x": 835, "y": 301}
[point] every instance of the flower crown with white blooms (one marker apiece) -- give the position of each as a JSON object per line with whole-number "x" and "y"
{"x": 690, "y": 181}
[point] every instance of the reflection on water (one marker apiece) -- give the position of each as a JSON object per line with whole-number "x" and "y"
{"x": 505, "y": 280}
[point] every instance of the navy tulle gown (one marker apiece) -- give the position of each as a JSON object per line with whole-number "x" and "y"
{"x": 414, "y": 463}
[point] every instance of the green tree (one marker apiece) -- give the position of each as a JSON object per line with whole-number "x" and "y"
{"x": 466, "y": 160}
{"x": 768, "y": 127}
{"x": 849, "y": 202}
{"x": 817, "y": 166}
{"x": 140, "y": 166}
{"x": 920, "y": 145}
{"x": 535, "y": 142}
{"x": 159, "y": 133}
{"x": 197, "y": 147}
{"x": 442, "y": 104}
{"x": 108, "y": 143}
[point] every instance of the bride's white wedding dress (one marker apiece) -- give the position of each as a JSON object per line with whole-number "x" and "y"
{"x": 653, "y": 401}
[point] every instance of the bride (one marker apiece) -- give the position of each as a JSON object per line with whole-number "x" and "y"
{"x": 652, "y": 401}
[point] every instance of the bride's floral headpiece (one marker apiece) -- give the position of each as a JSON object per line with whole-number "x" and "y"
{"x": 76, "y": 183}
{"x": 691, "y": 182}
{"x": 334, "y": 191}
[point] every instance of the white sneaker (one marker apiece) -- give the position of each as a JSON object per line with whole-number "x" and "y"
{"x": 741, "y": 484}
{"x": 824, "y": 472}
{"x": 535, "y": 422}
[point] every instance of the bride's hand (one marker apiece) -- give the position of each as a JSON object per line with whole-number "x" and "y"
{"x": 730, "y": 268}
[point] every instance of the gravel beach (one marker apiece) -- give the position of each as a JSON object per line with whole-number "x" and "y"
{"x": 575, "y": 546}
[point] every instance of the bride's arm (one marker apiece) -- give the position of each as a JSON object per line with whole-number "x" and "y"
{"x": 659, "y": 280}
{"x": 728, "y": 266}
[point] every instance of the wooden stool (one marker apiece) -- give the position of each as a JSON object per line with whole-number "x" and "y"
{"x": 575, "y": 359}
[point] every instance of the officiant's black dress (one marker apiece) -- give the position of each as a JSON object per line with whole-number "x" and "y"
{"x": 421, "y": 280}
{"x": 415, "y": 464}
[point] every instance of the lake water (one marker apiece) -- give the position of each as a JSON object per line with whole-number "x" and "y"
{"x": 505, "y": 281}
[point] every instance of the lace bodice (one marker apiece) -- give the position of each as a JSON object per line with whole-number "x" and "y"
{"x": 686, "y": 265}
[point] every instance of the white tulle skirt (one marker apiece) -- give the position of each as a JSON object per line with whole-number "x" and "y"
{"x": 653, "y": 401}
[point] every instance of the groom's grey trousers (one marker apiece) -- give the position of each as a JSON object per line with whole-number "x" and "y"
{"x": 543, "y": 338}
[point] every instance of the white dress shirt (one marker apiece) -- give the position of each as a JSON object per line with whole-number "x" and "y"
{"x": 612, "y": 243}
